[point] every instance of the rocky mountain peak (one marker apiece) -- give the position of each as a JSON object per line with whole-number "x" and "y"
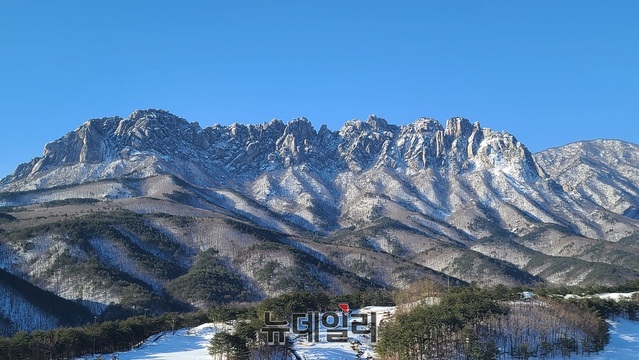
{"x": 152, "y": 141}
{"x": 353, "y": 128}
{"x": 145, "y": 121}
{"x": 377, "y": 122}
{"x": 296, "y": 141}
{"x": 150, "y": 114}
{"x": 425, "y": 125}
{"x": 458, "y": 127}
{"x": 275, "y": 123}
{"x": 300, "y": 128}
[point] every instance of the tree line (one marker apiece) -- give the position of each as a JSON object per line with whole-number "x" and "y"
{"x": 93, "y": 338}
{"x": 459, "y": 322}
{"x": 474, "y": 323}
{"x": 123, "y": 335}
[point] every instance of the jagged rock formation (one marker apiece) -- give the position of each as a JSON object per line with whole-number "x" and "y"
{"x": 381, "y": 202}
{"x": 249, "y": 150}
{"x": 289, "y": 167}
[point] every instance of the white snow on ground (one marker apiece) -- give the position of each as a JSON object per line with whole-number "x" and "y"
{"x": 191, "y": 344}
{"x": 185, "y": 344}
{"x": 624, "y": 341}
{"x": 607, "y": 296}
{"x": 324, "y": 350}
{"x": 617, "y": 296}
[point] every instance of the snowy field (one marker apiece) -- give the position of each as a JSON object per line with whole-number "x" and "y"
{"x": 343, "y": 350}
{"x": 191, "y": 344}
{"x": 624, "y": 341}
{"x": 185, "y": 344}
{"x": 605, "y": 296}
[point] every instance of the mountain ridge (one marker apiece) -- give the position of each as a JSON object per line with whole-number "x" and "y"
{"x": 292, "y": 167}
{"x": 306, "y": 168}
{"x": 285, "y": 206}
{"x": 105, "y": 139}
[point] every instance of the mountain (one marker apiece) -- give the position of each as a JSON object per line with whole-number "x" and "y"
{"x": 600, "y": 173}
{"x": 126, "y": 214}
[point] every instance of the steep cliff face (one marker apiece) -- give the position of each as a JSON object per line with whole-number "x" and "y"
{"x": 249, "y": 150}
{"x": 293, "y": 169}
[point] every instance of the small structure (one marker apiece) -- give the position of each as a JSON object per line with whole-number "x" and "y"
{"x": 527, "y": 295}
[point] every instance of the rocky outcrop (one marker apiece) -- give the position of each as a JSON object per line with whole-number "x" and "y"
{"x": 254, "y": 148}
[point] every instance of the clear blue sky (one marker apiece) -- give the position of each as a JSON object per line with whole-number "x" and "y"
{"x": 550, "y": 72}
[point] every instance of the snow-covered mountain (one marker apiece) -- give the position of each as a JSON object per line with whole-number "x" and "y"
{"x": 382, "y": 203}
{"x": 324, "y": 180}
{"x": 599, "y": 174}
